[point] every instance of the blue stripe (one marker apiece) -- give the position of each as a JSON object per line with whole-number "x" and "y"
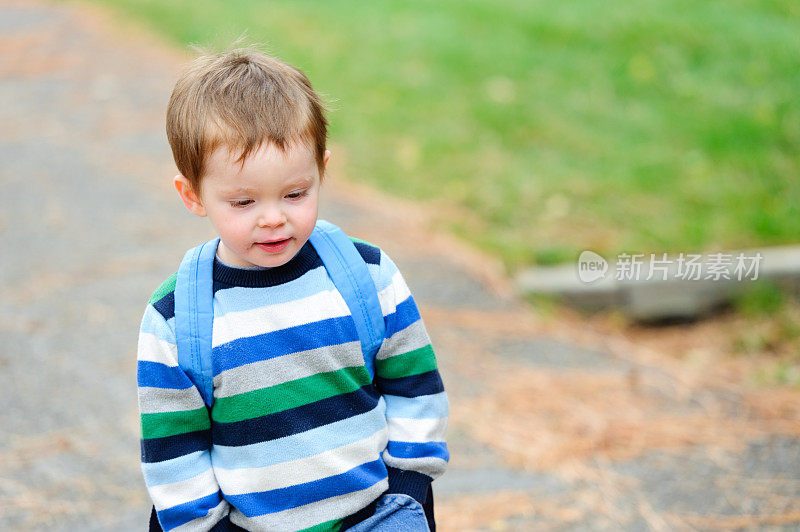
{"x": 302, "y": 445}
{"x": 325, "y": 333}
{"x": 380, "y": 282}
{"x": 169, "y": 447}
{"x": 295, "y": 420}
{"x": 176, "y": 469}
{"x": 183, "y": 513}
{"x": 404, "y": 315}
{"x": 424, "y": 407}
{"x": 155, "y": 324}
{"x": 158, "y": 375}
{"x": 267, "y": 502}
{"x": 428, "y": 383}
{"x": 238, "y": 299}
{"x": 384, "y": 273}
{"x": 432, "y": 449}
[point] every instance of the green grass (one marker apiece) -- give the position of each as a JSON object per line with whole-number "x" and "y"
{"x": 770, "y": 326}
{"x": 643, "y": 126}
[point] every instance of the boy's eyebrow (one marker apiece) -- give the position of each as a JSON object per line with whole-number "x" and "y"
{"x": 306, "y": 180}
{"x": 239, "y": 189}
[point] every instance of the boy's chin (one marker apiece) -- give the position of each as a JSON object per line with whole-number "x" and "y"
{"x": 251, "y": 258}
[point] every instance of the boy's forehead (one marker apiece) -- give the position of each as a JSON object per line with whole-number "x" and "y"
{"x": 243, "y": 185}
{"x": 296, "y": 154}
{"x": 292, "y": 159}
{"x": 269, "y": 168}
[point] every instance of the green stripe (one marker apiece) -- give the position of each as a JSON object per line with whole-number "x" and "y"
{"x": 354, "y": 239}
{"x": 165, "y": 424}
{"x": 288, "y": 395}
{"x": 165, "y": 288}
{"x": 327, "y": 526}
{"x": 412, "y": 363}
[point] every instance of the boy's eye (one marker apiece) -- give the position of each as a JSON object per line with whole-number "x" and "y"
{"x": 241, "y": 203}
{"x": 295, "y": 195}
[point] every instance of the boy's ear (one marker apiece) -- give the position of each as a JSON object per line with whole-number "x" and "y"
{"x": 188, "y": 195}
{"x": 327, "y": 156}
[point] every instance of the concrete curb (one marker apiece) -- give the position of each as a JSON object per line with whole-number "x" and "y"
{"x": 662, "y": 289}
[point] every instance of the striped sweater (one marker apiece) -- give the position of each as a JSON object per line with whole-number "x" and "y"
{"x": 298, "y": 437}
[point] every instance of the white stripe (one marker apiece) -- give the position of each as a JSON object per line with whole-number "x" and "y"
{"x": 386, "y": 299}
{"x": 401, "y": 290}
{"x": 169, "y": 495}
{"x": 404, "y": 341}
{"x": 269, "y": 318}
{"x": 153, "y": 349}
{"x": 323, "y": 465}
{"x": 395, "y": 293}
{"x": 311, "y": 514}
{"x": 417, "y": 430}
{"x": 433, "y": 467}
{"x": 278, "y": 370}
{"x": 159, "y": 400}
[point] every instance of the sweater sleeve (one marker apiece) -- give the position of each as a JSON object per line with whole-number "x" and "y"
{"x": 406, "y": 374}
{"x": 176, "y": 431}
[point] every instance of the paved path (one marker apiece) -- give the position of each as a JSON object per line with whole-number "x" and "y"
{"x": 553, "y": 427}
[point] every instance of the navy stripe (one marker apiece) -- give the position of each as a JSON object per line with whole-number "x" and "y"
{"x": 427, "y": 383}
{"x": 324, "y": 333}
{"x": 183, "y": 513}
{"x": 169, "y": 447}
{"x": 305, "y": 261}
{"x": 370, "y": 254}
{"x": 158, "y": 375}
{"x": 267, "y": 502}
{"x": 404, "y": 315}
{"x": 166, "y": 306}
{"x": 412, "y": 483}
{"x": 295, "y": 420}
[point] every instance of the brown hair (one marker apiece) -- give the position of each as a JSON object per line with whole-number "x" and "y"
{"x": 240, "y": 99}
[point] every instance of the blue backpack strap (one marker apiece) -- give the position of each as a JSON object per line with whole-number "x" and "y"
{"x": 351, "y": 277}
{"x": 194, "y": 316}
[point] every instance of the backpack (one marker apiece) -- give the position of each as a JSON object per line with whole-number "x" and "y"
{"x": 194, "y": 312}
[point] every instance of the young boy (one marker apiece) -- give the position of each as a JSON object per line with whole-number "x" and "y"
{"x": 297, "y": 437}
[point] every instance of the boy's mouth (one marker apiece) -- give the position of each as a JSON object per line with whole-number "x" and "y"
{"x": 274, "y": 246}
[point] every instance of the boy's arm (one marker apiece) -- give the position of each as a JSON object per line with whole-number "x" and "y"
{"x": 176, "y": 433}
{"x": 406, "y": 374}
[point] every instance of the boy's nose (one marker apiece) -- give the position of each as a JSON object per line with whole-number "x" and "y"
{"x": 271, "y": 218}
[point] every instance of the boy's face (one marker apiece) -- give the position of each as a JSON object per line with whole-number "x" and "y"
{"x": 263, "y": 211}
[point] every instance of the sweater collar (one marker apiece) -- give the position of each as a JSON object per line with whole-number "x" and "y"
{"x": 305, "y": 260}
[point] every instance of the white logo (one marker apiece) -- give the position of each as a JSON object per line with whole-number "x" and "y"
{"x": 591, "y": 267}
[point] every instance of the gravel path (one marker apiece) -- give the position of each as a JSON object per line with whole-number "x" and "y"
{"x": 553, "y": 427}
